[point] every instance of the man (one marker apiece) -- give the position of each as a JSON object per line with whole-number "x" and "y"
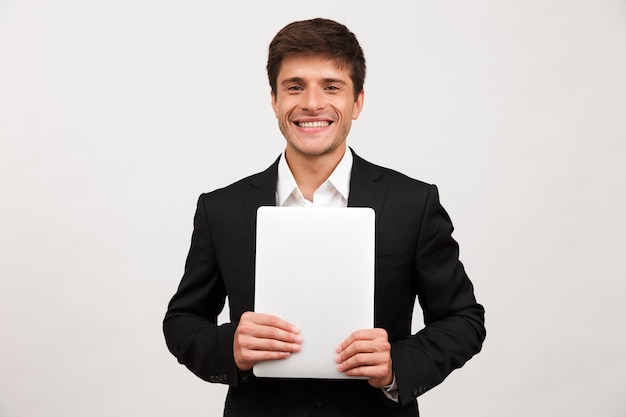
{"x": 316, "y": 71}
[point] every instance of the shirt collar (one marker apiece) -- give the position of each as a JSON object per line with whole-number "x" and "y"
{"x": 339, "y": 178}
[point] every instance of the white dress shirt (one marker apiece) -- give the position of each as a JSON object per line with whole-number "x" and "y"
{"x": 332, "y": 193}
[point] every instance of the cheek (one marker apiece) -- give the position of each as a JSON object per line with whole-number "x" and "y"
{"x": 281, "y": 110}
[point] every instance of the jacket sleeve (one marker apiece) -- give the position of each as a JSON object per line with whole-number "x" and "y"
{"x": 190, "y": 324}
{"x": 454, "y": 322}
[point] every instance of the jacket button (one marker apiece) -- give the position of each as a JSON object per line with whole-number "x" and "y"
{"x": 318, "y": 403}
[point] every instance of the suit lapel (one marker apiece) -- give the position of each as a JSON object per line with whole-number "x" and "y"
{"x": 365, "y": 191}
{"x": 262, "y": 193}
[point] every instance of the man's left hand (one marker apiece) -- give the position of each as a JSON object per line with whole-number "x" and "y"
{"x": 367, "y": 353}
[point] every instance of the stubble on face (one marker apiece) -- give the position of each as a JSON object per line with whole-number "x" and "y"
{"x": 315, "y": 106}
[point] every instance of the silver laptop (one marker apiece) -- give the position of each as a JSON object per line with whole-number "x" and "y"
{"x": 315, "y": 269}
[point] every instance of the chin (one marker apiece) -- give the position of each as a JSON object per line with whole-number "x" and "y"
{"x": 314, "y": 150}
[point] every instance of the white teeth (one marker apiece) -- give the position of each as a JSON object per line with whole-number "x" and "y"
{"x": 313, "y": 124}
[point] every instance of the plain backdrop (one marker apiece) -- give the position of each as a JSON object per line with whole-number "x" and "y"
{"x": 115, "y": 115}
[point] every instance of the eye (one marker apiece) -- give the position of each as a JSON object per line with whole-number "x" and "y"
{"x": 332, "y": 88}
{"x": 294, "y": 88}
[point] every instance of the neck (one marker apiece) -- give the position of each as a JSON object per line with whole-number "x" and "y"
{"x": 311, "y": 171}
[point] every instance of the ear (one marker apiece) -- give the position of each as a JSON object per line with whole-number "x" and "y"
{"x": 358, "y": 105}
{"x": 274, "y": 105}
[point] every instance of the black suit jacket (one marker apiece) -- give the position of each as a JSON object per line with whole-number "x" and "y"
{"x": 415, "y": 257}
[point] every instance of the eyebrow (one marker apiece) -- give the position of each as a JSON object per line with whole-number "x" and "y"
{"x": 300, "y": 80}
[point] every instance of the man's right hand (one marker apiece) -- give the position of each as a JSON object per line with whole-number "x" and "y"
{"x": 263, "y": 337}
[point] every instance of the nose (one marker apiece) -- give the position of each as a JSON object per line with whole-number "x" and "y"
{"x": 313, "y": 100}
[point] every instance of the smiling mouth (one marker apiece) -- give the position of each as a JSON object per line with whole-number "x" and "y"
{"x": 313, "y": 124}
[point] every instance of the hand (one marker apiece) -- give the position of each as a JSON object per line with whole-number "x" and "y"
{"x": 263, "y": 337}
{"x": 367, "y": 353}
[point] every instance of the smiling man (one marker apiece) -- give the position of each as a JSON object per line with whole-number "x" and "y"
{"x": 315, "y": 103}
{"x": 316, "y": 71}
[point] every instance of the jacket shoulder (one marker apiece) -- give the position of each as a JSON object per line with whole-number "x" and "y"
{"x": 390, "y": 177}
{"x": 245, "y": 184}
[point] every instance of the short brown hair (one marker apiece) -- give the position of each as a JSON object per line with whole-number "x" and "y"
{"x": 317, "y": 37}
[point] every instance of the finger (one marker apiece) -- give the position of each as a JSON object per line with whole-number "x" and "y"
{"x": 364, "y": 360}
{"x": 354, "y": 348}
{"x": 364, "y": 334}
{"x": 271, "y": 321}
{"x": 249, "y": 349}
{"x": 377, "y": 371}
{"x": 245, "y": 359}
{"x": 376, "y": 367}
{"x": 267, "y": 326}
{"x": 267, "y": 332}
{"x": 248, "y": 342}
{"x": 362, "y": 347}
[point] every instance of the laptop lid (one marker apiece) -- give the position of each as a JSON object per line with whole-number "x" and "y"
{"x": 315, "y": 269}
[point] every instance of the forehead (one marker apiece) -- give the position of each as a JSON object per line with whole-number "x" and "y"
{"x": 314, "y": 66}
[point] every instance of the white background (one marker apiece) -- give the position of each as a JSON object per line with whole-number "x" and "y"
{"x": 115, "y": 115}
